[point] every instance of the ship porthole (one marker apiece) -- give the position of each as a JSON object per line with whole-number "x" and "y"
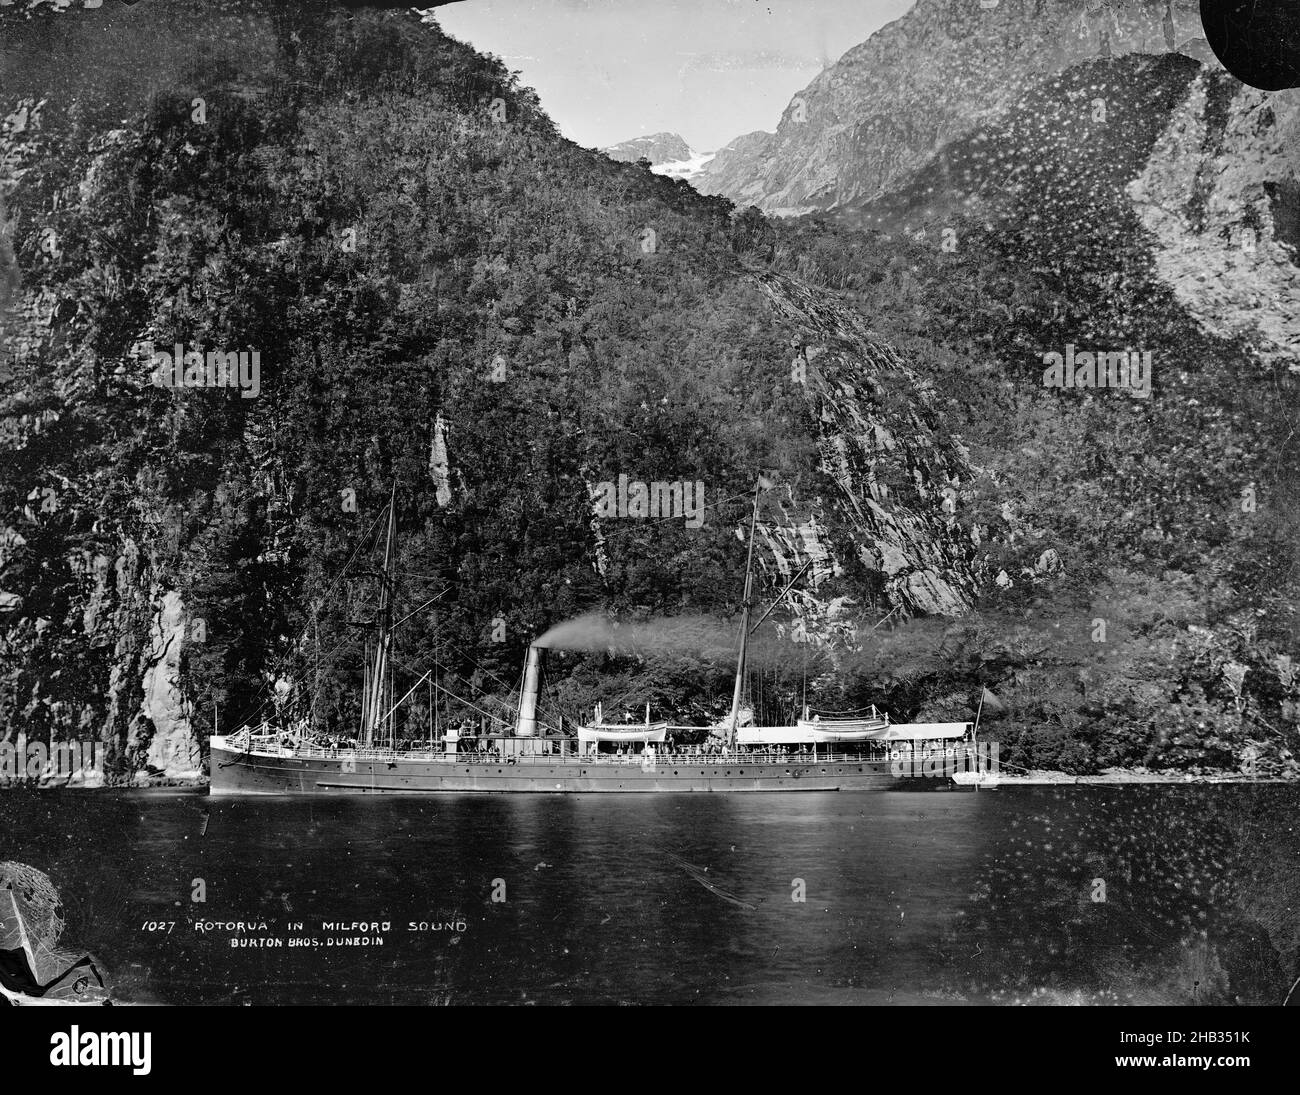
{"x": 674, "y": 773}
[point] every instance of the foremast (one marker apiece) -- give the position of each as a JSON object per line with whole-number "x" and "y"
{"x": 379, "y": 687}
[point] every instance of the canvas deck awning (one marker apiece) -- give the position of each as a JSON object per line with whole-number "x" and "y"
{"x": 810, "y": 733}
{"x": 624, "y": 733}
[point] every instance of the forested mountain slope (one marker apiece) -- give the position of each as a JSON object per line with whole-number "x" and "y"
{"x": 442, "y": 292}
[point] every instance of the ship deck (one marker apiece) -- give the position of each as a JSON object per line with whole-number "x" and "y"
{"x": 317, "y": 770}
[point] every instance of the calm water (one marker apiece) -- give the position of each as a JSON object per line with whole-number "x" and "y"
{"x": 911, "y": 897}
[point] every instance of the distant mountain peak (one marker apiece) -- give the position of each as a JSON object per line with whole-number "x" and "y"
{"x": 658, "y": 148}
{"x": 668, "y": 153}
{"x": 863, "y": 125}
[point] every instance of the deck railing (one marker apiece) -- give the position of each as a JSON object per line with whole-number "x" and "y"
{"x": 661, "y": 759}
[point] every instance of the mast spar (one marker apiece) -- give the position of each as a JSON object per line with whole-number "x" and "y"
{"x": 379, "y": 684}
{"x": 739, "y": 690}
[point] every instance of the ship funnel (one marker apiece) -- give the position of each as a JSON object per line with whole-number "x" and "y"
{"x": 526, "y": 727}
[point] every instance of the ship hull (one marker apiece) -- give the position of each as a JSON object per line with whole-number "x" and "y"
{"x": 242, "y": 773}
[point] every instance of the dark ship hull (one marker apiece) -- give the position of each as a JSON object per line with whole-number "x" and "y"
{"x": 236, "y": 772}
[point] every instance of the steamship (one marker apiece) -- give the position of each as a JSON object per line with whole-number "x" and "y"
{"x": 526, "y": 755}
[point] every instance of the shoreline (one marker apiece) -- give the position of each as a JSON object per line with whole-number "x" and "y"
{"x": 1122, "y": 776}
{"x": 150, "y": 783}
{"x": 1034, "y": 778}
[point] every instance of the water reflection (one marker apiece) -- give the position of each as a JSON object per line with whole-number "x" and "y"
{"x": 1064, "y": 894}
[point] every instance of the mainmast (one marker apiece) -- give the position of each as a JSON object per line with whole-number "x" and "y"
{"x": 379, "y": 694}
{"x": 739, "y": 690}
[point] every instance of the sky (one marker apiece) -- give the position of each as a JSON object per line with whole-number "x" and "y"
{"x": 609, "y": 70}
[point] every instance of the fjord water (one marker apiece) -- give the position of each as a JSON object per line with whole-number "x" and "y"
{"x": 1070, "y": 894}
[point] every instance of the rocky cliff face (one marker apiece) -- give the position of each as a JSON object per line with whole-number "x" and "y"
{"x": 895, "y": 465}
{"x": 1221, "y": 196}
{"x": 165, "y": 729}
{"x": 888, "y": 450}
{"x": 1189, "y": 169}
{"x": 96, "y": 616}
{"x": 868, "y": 121}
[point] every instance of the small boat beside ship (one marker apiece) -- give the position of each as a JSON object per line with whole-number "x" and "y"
{"x": 982, "y": 779}
{"x": 868, "y": 752}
